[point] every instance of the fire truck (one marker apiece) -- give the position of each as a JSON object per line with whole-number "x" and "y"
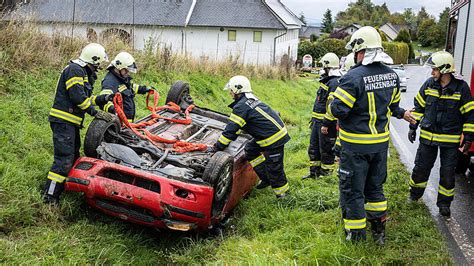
{"x": 460, "y": 42}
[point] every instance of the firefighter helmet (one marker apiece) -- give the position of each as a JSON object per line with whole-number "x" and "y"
{"x": 364, "y": 38}
{"x": 94, "y": 54}
{"x": 443, "y": 61}
{"x": 238, "y": 84}
{"x": 125, "y": 60}
{"x": 330, "y": 60}
{"x": 349, "y": 62}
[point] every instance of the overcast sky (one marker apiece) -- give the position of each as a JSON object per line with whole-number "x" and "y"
{"x": 314, "y": 9}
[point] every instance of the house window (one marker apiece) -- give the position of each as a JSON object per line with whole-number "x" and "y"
{"x": 257, "y": 36}
{"x": 231, "y": 35}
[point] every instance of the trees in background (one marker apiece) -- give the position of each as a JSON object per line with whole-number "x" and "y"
{"x": 328, "y": 24}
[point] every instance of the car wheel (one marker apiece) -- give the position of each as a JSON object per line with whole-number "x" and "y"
{"x": 219, "y": 173}
{"x": 99, "y": 130}
{"x": 179, "y": 94}
{"x": 404, "y": 89}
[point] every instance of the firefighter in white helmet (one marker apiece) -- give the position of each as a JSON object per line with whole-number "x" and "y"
{"x": 118, "y": 79}
{"x": 73, "y": 99}
{"x": 366, "y": 96}
{"x": 444, "y": 111}
{"x": 323, "y": 125}
{"x": 266, "y": 151}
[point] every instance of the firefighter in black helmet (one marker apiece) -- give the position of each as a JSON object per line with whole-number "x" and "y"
{"x": 444, "y": 111}
{"x": 364, "y": 101}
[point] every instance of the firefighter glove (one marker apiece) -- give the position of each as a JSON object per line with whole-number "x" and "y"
{"x": 109, "y": 97}
{"x": 412, "y": 135}
{"x": 104, "y": 116}
{"x": 211, "y": 149}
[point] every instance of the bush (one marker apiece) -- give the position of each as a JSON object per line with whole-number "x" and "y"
{"x": 398, "y": 51}
{"x": 404, "y": 36}
{"x": 312, "y": 48}
{"x": 336, "y": 46}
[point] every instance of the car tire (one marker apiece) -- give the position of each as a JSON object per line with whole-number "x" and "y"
{"x": 179, "y": 94}
{"x": 99, "y": 131}
{"x": 404, "y": 89}
{"x": 219, "y": 173}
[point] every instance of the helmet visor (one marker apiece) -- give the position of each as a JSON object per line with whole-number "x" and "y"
{"x": 132, "y": 68}
{"x": 227, "y": 86}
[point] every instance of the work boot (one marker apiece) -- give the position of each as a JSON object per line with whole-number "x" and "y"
{"x": 262, "y": 184}
{"x": 412, "y": 199}
{"x": 378, "y": 230}
{"x": 311, "y": 175}
{"x": 445, "y": 211}
{"x": 284, "y": 195}
{"x": 51, "y": 200}
{"x": 356, "y": 235}
{"x": 325, "y": 173}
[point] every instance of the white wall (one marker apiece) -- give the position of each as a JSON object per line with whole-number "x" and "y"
{"x": 199, "y": 42}
{"x": 462, "y": 53}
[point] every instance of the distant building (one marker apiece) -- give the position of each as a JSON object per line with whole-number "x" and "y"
{"x": 349, "y": 29}
{"x": 392, "y": 30}
{"x": 307, "y": 31}
{"x": 255, "y": 31}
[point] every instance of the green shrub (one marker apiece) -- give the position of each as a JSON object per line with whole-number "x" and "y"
{"x": 398, "y": 51}
{"x": 336, "y": 46}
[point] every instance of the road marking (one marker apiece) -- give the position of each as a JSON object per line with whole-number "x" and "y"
{"x": 429, "y": 199}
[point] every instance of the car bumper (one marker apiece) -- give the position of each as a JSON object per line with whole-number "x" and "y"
{"x": 142, "y": 197}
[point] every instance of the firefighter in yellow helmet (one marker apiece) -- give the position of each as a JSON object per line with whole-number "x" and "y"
{"x": 363, "y": 102}
{"x": 266, "y": 151}
{"x": 73, "y": 99}
{"x": 118, "y": 79}
{"x": 444, "y": 111}
{"x": 323, "y": 126}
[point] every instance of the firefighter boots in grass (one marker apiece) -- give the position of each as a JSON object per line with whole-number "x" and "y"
{"x": 378, "y": 230}
{"x": 314, "y": 173}
{"x": 356, "y": 235}
{"x": 262, "y": 184}
{"x": 445, "y": 211}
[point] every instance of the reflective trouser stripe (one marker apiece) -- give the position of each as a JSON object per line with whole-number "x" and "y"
{"x": 65, "y": 116}
{"x": 355, "y": 224}
{"x": 376, "y": 206}
{"x": 317, "y": 115}
{"x": 467, "y": 107}
{"x": 468, "y": 127}
{"x": 282, "y": 189}
{"x": 420, "y": 100}
{"x": 328, "y": 166}
{"x": 440, "y": 137}
{"x": 446, "y": 192}
{"x": 272, "y": 139}
{"x": 364, "y": 138}
{"x": 314, "y": 163}
{"x": 225, "y": 141}
{"x": 56, "y": 177}
{"x": 417, "y": 185}
{"x": 260, "y": 159}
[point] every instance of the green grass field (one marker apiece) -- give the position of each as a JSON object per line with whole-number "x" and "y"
{"x": 301, "y": 230}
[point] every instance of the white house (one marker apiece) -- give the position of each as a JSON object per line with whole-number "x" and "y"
{"x": 392, "y": 30}
{"x": 259, "y": 32}
{"x": 349, "y": 29}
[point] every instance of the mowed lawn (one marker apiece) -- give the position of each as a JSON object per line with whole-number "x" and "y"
{"x": 304, "y": 229}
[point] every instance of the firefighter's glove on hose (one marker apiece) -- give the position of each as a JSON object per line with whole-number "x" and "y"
{"x": 412, "y": 135}
{"x": 466, "y": 147}
{"x": 104, "y": 116}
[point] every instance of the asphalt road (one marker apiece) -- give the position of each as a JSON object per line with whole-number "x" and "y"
{"x": 459, "y": 229}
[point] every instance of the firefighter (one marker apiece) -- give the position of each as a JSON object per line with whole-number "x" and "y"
{"x": 73, "y": 99}
{"x": 323, "y": 127}
{"x": 118, "y": 79}
{"x": 443, "y": 109}
{"x": 265, "y": 152}
{"x": 366, "y": 97}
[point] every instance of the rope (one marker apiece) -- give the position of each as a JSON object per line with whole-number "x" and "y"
{"x": 140, "y": 128}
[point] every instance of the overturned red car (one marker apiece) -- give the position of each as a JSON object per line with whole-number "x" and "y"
{"x": 157, "y": 172}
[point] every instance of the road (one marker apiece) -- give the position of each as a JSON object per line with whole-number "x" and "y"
{"x": 459, "y": 229}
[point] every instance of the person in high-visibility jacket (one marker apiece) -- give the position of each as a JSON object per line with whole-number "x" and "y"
{"x": 323, "y": 126}
{"x": 364, "y": 101}
{"x": 118, "y": 79}
{"x": 73, "y": 99}
{"x": 266, "y": 151}
{"x": 444, "y": 110}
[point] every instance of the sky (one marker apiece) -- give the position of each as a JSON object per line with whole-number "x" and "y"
{"x": 314, "y": 9}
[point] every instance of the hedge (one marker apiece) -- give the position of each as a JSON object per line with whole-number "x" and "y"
{"x": 397, "y": 50}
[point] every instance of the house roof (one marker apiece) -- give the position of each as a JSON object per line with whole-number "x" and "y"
{"x": 306, "y": 32}
{"x": 234, "y": 13}
{"x": 266, "y": 14}
{"x": 396, "y": 27}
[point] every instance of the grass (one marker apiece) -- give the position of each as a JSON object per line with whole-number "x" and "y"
{"x": 429, "y": 49}
{"x": 305, "y": 229}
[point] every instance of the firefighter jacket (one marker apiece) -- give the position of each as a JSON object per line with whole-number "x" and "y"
{"x": 328, "y": 85}
{"x": 443, "y": 114}
{"x": 364, "y": 101}
{"x": 257, "y": 119}
{"x": 74, "y": 95}
{"x": 113, "y": 83}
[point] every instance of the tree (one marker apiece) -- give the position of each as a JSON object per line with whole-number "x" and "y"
{"x": 302, "y": 18}
{"x": 422, "y": 16}
{"x": 442, "y": 28}
{"x": 404, "y": 36}
{"x": 328, "y": 25}
{"x": 410, "y": 20}
{"x": 424, "y": 30}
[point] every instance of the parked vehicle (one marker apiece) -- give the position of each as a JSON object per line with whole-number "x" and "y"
{"x": 402, "y": 75}
{"x": 150, "y": 182}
